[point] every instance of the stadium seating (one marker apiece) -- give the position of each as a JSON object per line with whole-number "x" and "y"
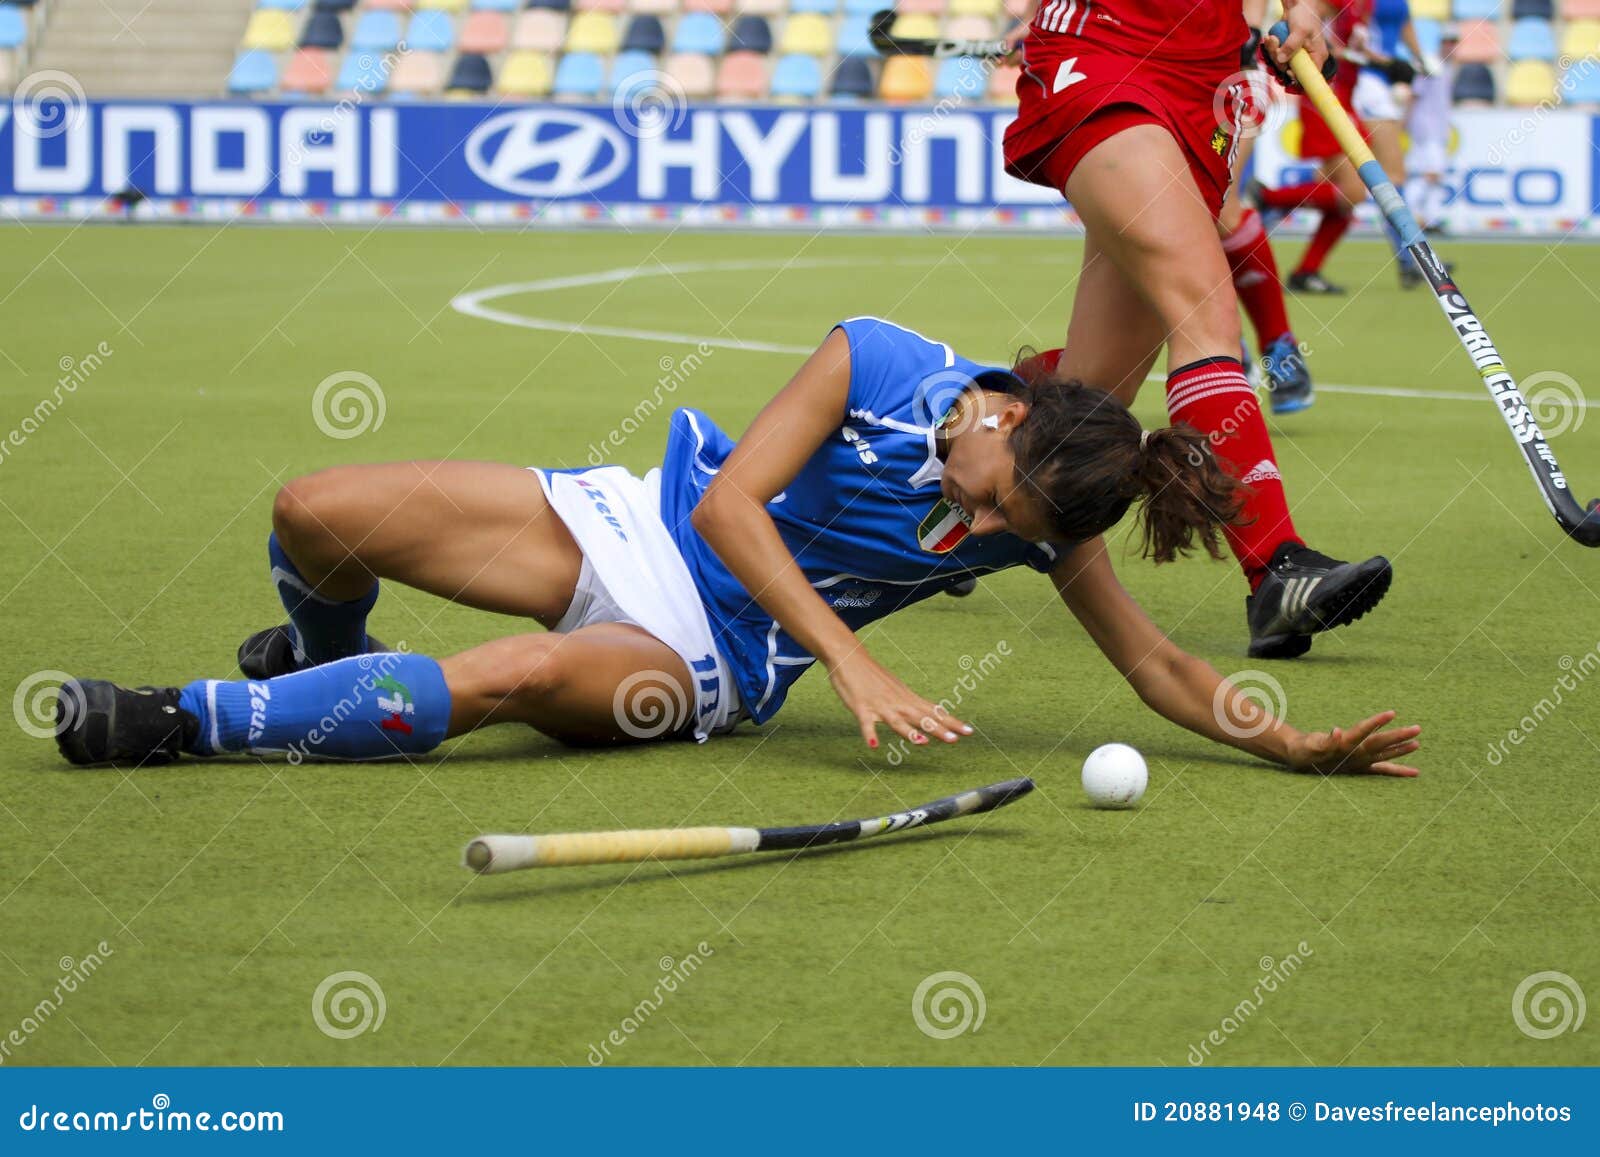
{"x": 1511, "y": 51}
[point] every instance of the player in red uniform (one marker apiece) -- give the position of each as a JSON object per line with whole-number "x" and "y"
{"x": 1337, "y": 190}
{"x": 1127, "y": 107}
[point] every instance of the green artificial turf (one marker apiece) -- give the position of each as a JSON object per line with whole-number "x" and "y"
{"x": 135, "y": 516}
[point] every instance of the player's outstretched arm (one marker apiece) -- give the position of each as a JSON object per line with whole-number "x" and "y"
{"x": 733, "y": 519}
{"x": 1189, "y": 691}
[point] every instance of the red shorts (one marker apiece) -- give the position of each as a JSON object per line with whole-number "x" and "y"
{"x": 1073, "y": 94}
{"x": 1317, "y": 141}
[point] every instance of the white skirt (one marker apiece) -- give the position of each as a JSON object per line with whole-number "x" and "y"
{"x": 633, "y": 573}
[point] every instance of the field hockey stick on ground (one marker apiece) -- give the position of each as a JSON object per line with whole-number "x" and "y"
{"x": 888, "y": 44}
{"x": 1580, "y": 523}
{"x": 487, "y": 855}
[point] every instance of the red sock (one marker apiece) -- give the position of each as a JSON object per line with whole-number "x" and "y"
{"x": 1329, "y": 230}
{"x": 1039, "y": 367}
{"x": 1213, "y": 397}
{"x": 1255, "y": 278}
{"x": 1323, "y": 195}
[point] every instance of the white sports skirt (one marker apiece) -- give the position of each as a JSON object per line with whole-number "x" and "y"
{"x": 1374, "y": 98}
{"x": 633, "y": 573}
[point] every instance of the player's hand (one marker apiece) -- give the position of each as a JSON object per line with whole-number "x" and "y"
{"x": 1014, "y": 40}
{"x": 1360, "y": 750}
{"x": 1305, "y": 31}
{"x": 876, "y": 695}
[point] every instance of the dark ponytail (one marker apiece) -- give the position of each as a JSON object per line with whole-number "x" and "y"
{"x": 1086, "y": 459}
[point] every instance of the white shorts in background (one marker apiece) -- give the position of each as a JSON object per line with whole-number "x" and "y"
{"x": 1428, "y": 157}
{"x": 632, "y": 573}
{"x": 1374, "y": 98}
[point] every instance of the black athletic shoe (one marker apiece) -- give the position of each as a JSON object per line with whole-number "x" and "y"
{"x": 270, "y": 653}
{"x": 1313, "y": 283}
{"x": 1306, "y": 592}
{"x": 99, "y": 722}
{"x": 1410, "y": 275}
{"x": 962, "y": 589}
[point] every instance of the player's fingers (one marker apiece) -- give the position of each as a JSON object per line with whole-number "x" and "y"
{"x": 1395, "y": 769}
{"x": 1358, "y": 734}
{"x": 1382, "y": 739}
{"x": 869, "y": 727}
{"x": 945, "y": 725}
{"x": 1394, "y": 751}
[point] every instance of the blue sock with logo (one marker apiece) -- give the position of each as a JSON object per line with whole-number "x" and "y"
{"x": 363, "y": 707}
{"x": 324, "y": 630}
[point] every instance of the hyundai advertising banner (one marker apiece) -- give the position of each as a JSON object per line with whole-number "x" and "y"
{"x": 713, "y": 164}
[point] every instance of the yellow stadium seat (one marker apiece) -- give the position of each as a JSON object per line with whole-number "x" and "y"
{"x": 1581, "y": 38}
{"x": 270, "y": 29}
{"x": 1430, "y": 10}
{"x": 807, "y": 34}
{"x": 443, "y": 5}
{"x": 974, "y": 7}
{"x": 1530, "y": 82}
{"x": 525, "y": 74}
{"x": 906, "y": 79}
{"x": 592, "y": 32}
{"x": 969, "y": 28}
{"x": 917, "y": 26}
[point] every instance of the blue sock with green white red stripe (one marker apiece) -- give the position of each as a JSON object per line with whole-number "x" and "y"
{"x": 364, "y": 707}
{"x": 324, "y": 630}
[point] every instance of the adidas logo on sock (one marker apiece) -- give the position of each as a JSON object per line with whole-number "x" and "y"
{"x": 1262, "y": 471}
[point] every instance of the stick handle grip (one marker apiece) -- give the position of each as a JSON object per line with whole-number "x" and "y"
{"x": 488, "y": 855}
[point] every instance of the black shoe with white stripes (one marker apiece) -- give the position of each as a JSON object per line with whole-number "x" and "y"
{"x": 270, "y": 653}
{"x": 1305, "y": 592}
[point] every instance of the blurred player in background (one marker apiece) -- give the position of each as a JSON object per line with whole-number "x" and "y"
{"x": 1337, "y": 189}
{"x": 1130, "y": 110}
{"x": 1429, "y": 124}
{"x": 1382, "y": 95}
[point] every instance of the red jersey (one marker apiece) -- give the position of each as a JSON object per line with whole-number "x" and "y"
{"x": 1339, "y": 30}
{"x": 1148, "y": 29}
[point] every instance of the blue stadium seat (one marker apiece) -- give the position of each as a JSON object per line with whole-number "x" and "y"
{"x": 470, "y": 73}
{"x": 376, "y": 30}
{"x": 797, "y": 77}
{"x": 1581, "y": 86}
{"x": 496, "y": 5}
{"x": 644, "y": 34}
{"x": 334, "y": 5}
{"x": 1477, "y": 9}
{"x": 1533, "y": 10}
{"x": 751, "y": 34}
{"x": 13, "y": 26}
{"x": 698, "y": 32}
{"x": 1531, "y": 40}
{"x": 962, "y": 77}
{"x": 632, "y": 66}
{"x": 824, "y": 7}
{"x": 853, "y": 38}
{"x": 431, "y": 31}
{"x": 861, "y": 7}
{"x": 322, "y": 30}
{"x": 1429, "y": 34}
{"x": 852, "y": 79}
{"x": 1473, "y": 82}
{"x": 286, "y": 5}
{"x": 579, "y": 74}
{"x": 253, "y": 72}
{"x": 553, "y": 5}
{"x": 362, "y": 72}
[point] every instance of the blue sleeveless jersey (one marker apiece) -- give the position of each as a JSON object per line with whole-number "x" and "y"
{"x": 1389, "y": 18}
{"x": 864, "y": 518}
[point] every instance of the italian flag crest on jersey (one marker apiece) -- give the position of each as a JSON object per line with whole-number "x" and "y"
{"x": 943, "y": 529}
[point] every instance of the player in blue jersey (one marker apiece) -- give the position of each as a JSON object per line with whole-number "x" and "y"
{"x": 681, "y": 603}
{"x": 1381, "y": 97}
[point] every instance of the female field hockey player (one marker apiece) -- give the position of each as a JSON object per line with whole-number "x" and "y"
{"x": 681, "y": 603}
{"x": 1127, "y": 109}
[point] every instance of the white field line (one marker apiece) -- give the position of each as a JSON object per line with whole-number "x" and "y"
{"x": 474, "y": 304}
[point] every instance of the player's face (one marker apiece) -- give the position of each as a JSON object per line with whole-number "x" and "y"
{"x": 980, "y": 476}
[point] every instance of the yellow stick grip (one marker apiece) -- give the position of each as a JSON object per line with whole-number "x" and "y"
{"x": 491, "y": 854}
{"x": 1320, "y": 93}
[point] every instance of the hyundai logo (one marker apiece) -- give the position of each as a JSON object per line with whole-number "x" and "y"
{"x": 547, "y": 152}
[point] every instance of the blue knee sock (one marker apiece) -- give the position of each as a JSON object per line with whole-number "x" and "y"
{"x": 324, "y": 630}
{"x": 365, "y": 707}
